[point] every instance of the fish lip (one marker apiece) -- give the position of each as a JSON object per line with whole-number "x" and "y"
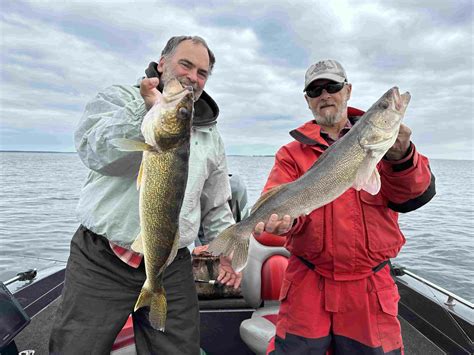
{"x": 188, "y": 90}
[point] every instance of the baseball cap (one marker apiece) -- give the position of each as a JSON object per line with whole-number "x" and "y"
{"x": 325, "y": 69}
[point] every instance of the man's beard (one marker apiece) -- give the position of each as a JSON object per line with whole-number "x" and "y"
{"x": 330, "y": 119}
{"x": 168, "y": 74}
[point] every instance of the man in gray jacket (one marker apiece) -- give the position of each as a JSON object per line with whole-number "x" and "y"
{"x": 103, "y": 275}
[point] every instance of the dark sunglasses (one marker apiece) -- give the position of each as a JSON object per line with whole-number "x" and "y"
{"x": 331, "y": 88}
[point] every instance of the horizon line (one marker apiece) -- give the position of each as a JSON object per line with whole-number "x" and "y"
{"x": 72, "y": 152}
{"x": 229, "y": 155}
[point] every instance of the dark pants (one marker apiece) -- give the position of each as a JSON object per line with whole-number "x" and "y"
{"x": 100, "y": 292}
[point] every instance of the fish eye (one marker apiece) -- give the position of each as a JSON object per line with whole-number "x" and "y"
{"x": 384, "y": 104}
{"x": 183, "y": 113}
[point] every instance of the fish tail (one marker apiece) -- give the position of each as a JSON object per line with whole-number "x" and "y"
{"x": 231, "y": 242}
{"x": 156, "y": 301}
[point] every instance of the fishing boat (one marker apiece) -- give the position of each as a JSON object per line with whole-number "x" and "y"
{"x": 433, "y": 320}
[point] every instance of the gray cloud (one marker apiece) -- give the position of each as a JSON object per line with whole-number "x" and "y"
{"x": 55, "y": 58}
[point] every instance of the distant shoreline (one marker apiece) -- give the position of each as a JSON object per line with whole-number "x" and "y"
{"x": 35, "y": 151}
{"x": 229, "y": 155}
{"x": 56, "y": 152}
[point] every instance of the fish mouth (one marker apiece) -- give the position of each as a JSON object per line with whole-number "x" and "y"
{"x": 395, "y": 101}
{"x": 174, "y": 90}
{"x": 181, "y": 93}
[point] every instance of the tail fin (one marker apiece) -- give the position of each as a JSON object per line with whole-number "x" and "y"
{"x": 229, "y": 242}
{"x": 156, "y": 301}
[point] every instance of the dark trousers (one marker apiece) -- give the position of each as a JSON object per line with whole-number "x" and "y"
{"x": 100, "y": 292}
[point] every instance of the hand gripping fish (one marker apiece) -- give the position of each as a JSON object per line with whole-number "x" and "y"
{"x": 350, "y": 162}
{"x": 162, "y": 181}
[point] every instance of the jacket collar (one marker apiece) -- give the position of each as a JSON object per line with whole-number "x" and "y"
{"x": 310, "y": 132}
{"x": 205, "y": 109}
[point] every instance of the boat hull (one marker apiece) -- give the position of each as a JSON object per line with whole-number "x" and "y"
{"x": 427, "y": 324}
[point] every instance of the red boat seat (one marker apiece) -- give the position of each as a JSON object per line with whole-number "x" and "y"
{"x": 125, "y": 342}
{"x": 261, "y": 284}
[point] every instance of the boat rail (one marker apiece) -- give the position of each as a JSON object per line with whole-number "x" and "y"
{"x": 22, "y": 276}
{"x": 452, "y": 298}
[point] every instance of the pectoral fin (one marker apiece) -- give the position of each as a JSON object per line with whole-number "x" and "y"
{"x": 140, "y": 175}
{"x": 137, "y": 245}
{"x": 128, "y": 145}
{"x": 368, "y": 177}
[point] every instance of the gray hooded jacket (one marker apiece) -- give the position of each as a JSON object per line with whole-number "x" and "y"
{"x": 108, "y": 203}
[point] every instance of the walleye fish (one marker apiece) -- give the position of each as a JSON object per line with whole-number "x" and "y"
{"x": 350, "y": 162}
{"x": 162, "y": 181}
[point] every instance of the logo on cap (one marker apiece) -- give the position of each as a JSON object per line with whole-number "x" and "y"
{"x": 321, "y": 66}
{"x": 325, "y": 69}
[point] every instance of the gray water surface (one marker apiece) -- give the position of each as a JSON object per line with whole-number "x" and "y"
{"x": 39, "y": 192}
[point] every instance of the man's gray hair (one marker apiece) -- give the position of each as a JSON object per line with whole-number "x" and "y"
{"x": 173, "y": 43}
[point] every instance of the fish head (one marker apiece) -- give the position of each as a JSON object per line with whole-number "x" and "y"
{"x": 169, "y": 122}
{"x": 381, "y": 122}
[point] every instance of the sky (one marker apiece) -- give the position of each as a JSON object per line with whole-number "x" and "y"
{"x": 57, "y": 55}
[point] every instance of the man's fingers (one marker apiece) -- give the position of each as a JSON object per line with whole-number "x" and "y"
{"x": 149, "y": 92}
{"x": 272, "y": 223}
{"x": 225, "y": 278}
{"x": 285, "y": 224}
{"x": 259, "y": 229}
{"x": 148, "y": 84}
{"x": 404, "y": 133}
{"x": 238, "y": 280}
{"x": 200, "y": 249}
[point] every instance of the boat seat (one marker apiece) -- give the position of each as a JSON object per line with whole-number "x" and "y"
{"x": 125, "y": 342}
{"x": 261, "y": 284}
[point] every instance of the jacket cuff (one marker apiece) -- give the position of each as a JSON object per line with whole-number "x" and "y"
{"x": 297, "y": 225}
{"x": 405, "y": 163}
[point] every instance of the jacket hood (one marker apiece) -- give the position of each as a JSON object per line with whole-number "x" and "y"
{"x": 310, "y": 132}
{"x": 205, "y": 109}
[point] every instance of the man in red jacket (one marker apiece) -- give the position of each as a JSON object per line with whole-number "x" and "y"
{"x": 337, "y": 291}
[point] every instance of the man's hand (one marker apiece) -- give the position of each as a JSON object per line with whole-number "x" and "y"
{"x": 227, "y": 275}
{"x": 274, "y": 225}
{"x": 200, "y": 249}
{"x": 402, "y": 144}
{"x": 149, "y": 91}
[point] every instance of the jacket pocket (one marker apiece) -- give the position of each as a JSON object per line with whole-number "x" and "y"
{"x": 310, "y": 239}
{"x": 388, "y": 301}
{"x": 388, "y": 326}
{"x": 285, "y": 288}
{"x": 284, "y": 310}
{"x": 381, "y": 224}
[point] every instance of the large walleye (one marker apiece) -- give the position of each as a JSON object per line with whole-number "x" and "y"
{"x": 350, "y": 162}
{"x": 162, "y": 181}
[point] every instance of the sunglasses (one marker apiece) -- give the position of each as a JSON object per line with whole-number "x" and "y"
{"x": 331, "y": 88}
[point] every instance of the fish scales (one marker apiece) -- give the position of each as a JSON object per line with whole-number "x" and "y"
{"x": 162, "y": 181}
{"x": 160, "y": 205}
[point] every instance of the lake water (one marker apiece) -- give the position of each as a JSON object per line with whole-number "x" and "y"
{"x": 39, "y": 192}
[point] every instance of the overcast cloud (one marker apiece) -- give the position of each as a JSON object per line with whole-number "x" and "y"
{"x": 55, "y": 56}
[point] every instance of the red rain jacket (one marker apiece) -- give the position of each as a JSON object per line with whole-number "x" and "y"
{"x": 346, "y": 238}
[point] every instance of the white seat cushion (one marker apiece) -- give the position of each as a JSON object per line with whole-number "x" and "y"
{"x": 257, "y": 331}
{"x": 263, "y": 311}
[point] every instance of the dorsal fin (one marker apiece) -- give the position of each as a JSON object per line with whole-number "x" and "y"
{"x": 266, "y": 196}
